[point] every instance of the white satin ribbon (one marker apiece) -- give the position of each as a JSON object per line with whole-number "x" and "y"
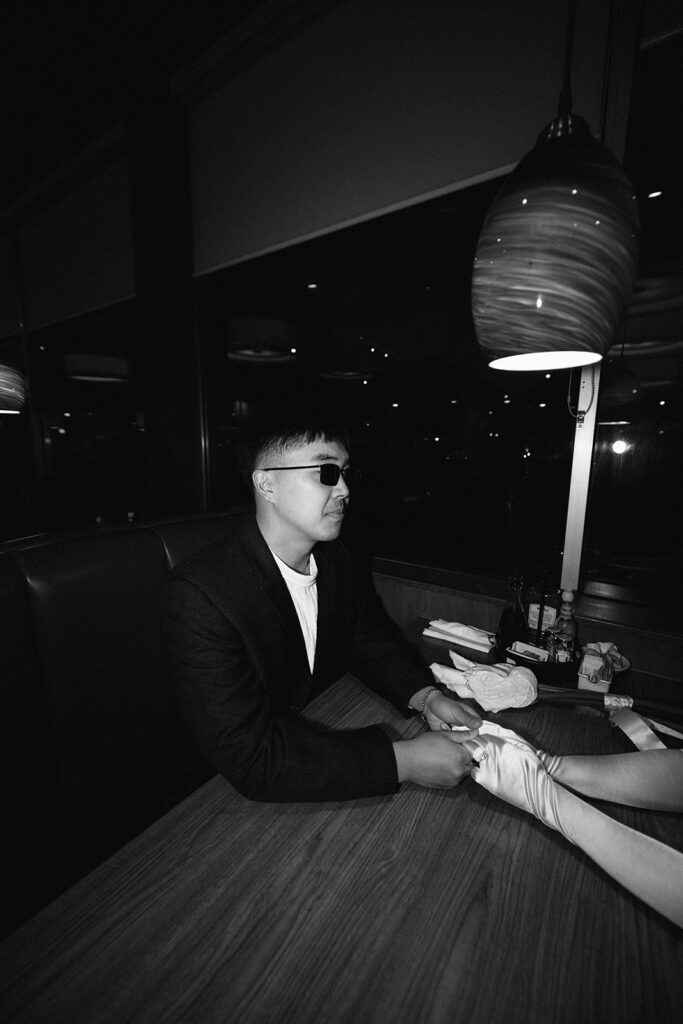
{"x": 637, "y": 730}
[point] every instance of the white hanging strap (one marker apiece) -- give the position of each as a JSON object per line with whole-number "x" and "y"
{"x": 637, "y": 729}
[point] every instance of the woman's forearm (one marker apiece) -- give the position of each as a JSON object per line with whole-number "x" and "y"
{"x": 644, "y": 778}
{"x": 644, "y": 866}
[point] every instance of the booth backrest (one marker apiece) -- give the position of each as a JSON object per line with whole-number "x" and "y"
{"x": 93, "y": 749}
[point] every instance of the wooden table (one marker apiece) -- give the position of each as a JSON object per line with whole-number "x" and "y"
{"x": 427, "y": 906}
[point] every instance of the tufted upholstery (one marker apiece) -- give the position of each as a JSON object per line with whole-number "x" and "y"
{"x": 92, "y": 747}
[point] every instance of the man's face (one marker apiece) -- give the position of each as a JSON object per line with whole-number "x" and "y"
{"x": 306, "y": 510}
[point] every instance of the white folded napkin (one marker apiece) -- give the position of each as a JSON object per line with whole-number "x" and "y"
{"x": 494, "y": 687}
{"x": 457, "y": 632}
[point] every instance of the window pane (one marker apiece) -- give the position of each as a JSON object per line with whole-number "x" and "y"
{"x": 636, "y": 500}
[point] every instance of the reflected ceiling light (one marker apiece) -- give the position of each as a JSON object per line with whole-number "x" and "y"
{"x": 12, "y": 390}
{"x": 258, "y": 355}
{"x": 344, "y": 357}
{"x": 556, "y": 258}
{"x": 260, "y": 340}
{"x": 346, "y": 375}
{"x": 654, "y": 195}
{"x": 95, "y": 368}
{"x": 621, "y": 389}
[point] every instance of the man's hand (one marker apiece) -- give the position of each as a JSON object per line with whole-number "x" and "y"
{"x": 442, "y": 712}
{"x": 434, "y": 759}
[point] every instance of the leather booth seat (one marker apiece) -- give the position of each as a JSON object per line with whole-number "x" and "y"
{"x": 93, "y": 749}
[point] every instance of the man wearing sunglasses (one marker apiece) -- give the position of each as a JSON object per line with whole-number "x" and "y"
{"x": 260, "y": 623}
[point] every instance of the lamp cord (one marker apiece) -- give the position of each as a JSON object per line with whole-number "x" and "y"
{"x": 580, "y": 414}
{"x": 608, "y": 71}
{"x": 565, "y": 102}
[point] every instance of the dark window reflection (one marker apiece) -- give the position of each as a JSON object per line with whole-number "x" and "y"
{"x": 636, "y": 499}
{"x": 462, "y": 467}
{"x": 75, "y": 455}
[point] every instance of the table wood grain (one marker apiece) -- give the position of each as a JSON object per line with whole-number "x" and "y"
{"x": 426, "y": 906}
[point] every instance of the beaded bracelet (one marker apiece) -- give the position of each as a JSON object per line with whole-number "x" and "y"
{"x": 423, "y": 706}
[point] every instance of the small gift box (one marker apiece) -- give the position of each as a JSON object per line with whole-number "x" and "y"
{"x": 599, "y": 663}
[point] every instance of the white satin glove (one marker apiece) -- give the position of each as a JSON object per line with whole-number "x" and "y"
{"x": 488, "y": 728}
{"x": 509, "y": 768}
{"x": 646, "y": 867}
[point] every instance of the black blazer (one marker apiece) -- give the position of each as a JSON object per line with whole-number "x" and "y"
{"x": 238, "y": 659}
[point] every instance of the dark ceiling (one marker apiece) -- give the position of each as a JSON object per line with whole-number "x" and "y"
{"x": 70, "y": 68}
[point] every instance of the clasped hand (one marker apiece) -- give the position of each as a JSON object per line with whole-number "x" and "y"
{"x": 438, "y": 759}
{"x": 442, "y": 712}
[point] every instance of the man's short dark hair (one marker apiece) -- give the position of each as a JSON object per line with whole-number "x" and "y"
{"x": 266, "y": 442}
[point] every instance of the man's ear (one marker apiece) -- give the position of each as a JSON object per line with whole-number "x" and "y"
{"x": 262, "y": 484}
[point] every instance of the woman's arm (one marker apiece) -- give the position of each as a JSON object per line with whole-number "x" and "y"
{"x": 645, "y": 778}
{"x": 647, "y": 868}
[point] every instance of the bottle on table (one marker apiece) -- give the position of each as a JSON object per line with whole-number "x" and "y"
{"x": 541, "y": 603}
{"x": 566, "y": 632}
{"x": 513, "y": 623}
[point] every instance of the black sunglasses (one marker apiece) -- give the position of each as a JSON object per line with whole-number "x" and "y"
{"x": 329, "y": 472}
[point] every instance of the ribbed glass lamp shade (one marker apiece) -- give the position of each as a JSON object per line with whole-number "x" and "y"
{"x": 557, "y": 255}
{"x": 12, "y": 389}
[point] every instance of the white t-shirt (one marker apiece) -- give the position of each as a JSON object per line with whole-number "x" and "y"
{"x": 304, "y": 591}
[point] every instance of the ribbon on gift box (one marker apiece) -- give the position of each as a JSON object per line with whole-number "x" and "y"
{"x": 611, "y": 658}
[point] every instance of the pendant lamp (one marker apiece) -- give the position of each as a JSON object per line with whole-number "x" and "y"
{"x": 12, "y": 389}
{"x": 556, "y": 258}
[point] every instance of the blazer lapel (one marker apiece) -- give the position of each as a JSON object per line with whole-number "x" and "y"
{"x": 335, "y": 617}
{"x": 325, "y": 613}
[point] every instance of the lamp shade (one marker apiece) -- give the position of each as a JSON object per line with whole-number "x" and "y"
{"x": 12, "y": 389}
{"x": 557, "y": 255}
